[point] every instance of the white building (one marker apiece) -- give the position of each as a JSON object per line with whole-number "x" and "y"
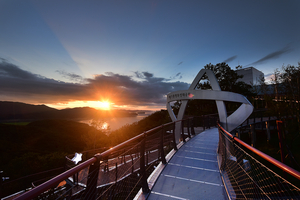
{"x": 251, "y": 75}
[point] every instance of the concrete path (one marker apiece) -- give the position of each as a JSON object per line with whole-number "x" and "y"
{"x": 192, "y": 173}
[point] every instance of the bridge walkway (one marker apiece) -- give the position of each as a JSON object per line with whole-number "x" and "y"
{"x": 192, "y": 173}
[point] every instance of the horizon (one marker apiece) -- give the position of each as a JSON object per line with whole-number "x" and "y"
{"x": 96, "y": 108}
{"x": 100, "y": 54}
{"x": 93, "y": 104}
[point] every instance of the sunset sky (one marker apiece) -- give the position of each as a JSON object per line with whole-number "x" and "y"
{"x": 132, "y": 53}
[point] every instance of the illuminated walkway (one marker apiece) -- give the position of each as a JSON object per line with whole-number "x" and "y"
{"x": 193, "y": 172}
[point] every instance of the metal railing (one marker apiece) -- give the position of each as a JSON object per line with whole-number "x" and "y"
{"x": 120, "y": 172}
{"x": 245, "y": 177}
{"x": 117, "y": 173}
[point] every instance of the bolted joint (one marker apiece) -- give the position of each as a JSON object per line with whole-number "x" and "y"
{"x": 232, "y": 139}
{"x": 99, "y": 157}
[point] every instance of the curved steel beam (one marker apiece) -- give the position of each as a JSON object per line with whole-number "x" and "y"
{"x": 231, "y": 122}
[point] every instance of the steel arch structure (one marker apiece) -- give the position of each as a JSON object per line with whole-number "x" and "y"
{"x": 230, "y": 122}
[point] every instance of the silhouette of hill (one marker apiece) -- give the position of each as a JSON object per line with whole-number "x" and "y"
{"x": 43, "y": 144}
{"x": 40, "y": 146}
{"x": 17, "y": 111}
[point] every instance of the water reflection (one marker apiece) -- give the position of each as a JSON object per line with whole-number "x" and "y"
{"x": 115, "y": 123}
{"x": 105, "y": 126}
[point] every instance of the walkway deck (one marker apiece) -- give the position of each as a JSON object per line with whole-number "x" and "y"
{"x": 192, "y": 173}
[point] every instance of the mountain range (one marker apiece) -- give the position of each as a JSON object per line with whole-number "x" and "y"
{"x": 17, "y": 111}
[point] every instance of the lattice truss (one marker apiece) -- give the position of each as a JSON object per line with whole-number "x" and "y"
{"x": 247, "y": 178}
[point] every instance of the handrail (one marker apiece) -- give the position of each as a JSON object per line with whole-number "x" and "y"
{"x": 107, "y": 152}
{"x": 56, "y": 180}
{"x": 275, "y": 162}
{"x": 97, "y": 158}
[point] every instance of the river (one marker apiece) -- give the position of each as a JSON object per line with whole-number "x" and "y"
{"x": 117, "y": 122}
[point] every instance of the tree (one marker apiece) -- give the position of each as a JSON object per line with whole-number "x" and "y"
{"x": 97, "y": 137}
{"x": 290, "y": 81}
{"x": 228, "y": 81}
{"x": 130, "y": 130}
{"x": 263, "y": 89}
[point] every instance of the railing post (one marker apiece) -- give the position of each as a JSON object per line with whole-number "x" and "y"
{"x": 188, "y": 128}
{"x": 91, "y": 188}
{"x": 238, "y": 133}
{"x": 182, "y": 131}
{"x": 208, "y": 122}
{"x": 106, "y": 168}
{"x": 268, "y": 130}
{"x": 222, "y": 149}
{"x": 1, "y": 180}
{"x": 147, "y": 158}
{"x": 144, "y": 183}
{"x": 203, "y": 121}
{"x": 174, "y": 140}
{"x": 192, "y": 126}
{"x": 261, "y": 120}
{"x": 132, "y": 164}
{"x": 239, "y": 161}
{"x": 161, "y": 146}
{"x": 253, "y": 135}
{"x": 116, "y": 172}
{"x": 279, "y": 125}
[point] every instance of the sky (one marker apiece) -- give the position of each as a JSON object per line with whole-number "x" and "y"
{"x": 132, "y": 53}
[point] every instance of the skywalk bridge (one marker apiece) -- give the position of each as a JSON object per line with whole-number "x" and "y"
{"x": 206, "y": 164}
{"x": 179, "y": 161}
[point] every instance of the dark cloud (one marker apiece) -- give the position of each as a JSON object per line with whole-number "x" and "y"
{"x": 177, "y": 76}
{"x": 149, "y": 77}
{"x": 271, "y": 56}
{"x": 10, "y": 70}
{"x": 71, "y": 76}
{"x": 143, "y": 75}
{"x": 19, "y": 85}
{"x": 230, "y": 59}
{"x": 147, "y": 74}
{"x": 138, "y": 75}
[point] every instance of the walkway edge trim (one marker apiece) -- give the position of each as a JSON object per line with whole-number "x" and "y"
{"x": 156, "y": 173}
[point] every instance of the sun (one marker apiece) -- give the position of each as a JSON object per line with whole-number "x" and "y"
{"x": 104, "y": 105}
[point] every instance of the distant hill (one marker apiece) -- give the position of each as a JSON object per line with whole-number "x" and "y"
{"x": 11, "y": 108}
{"x": 17, "y": 111}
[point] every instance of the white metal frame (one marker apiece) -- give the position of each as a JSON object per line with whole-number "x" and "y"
{"x": 230, "y": 122}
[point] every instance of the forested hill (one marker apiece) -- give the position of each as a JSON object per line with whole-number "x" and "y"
{"x": 16, "y": 111}
{"x": 8, "y": 108}
{"x": 42, "y": 145}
